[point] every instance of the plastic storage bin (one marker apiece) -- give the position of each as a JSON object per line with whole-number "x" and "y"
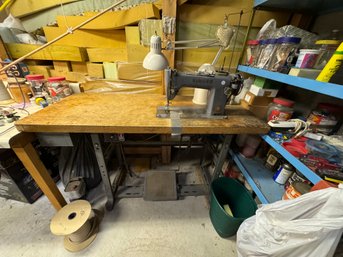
{"x": 267, "y": 54}
{"x": 252, "y": 50}
{"x": 280, "y": 109}
{"x": 284, "y": 49}
{"x": 229, "y": 191}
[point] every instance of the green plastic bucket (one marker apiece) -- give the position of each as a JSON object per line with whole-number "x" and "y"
{"x": 229, "y": 191}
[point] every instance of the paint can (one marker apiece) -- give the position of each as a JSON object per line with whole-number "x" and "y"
{"x": 295, "y": 190}
{"x": 283, "y": 173}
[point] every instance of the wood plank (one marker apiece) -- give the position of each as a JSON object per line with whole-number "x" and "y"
{"x": 132, "y": 113}
{"x": 53, "y": 52}
{"x": 76, "y": 76}
{"x": 136, "y": 53}
{"x": 20, "y": 8}
{"x": 132, "y": 35}
{"x": 60, "y": 66}
{"x": 110, "y": 70}
{"x": 21, "y": 145}
{"x": 95, "y": 70}
{"x": 214, "y": 14}
{"x": 120, "y": 86}
{"x": 79, "y": 67}
{"x": 40, "y": 69}
{"x": 55, "y": 73}
{"x": 112, "y": 20}
{"x": 169, "y": 10}
{"x": 135, "y": 71}
{"x": 87, "y": 38}
{"x": 107, "y": 54}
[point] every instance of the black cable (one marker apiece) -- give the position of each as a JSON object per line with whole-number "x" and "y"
{"x": 234, "y": 44}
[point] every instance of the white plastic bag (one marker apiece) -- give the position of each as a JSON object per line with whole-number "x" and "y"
{"x": 308, "y": 226}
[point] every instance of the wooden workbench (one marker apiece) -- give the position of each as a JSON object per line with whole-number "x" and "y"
{"x": 116, "y": 113}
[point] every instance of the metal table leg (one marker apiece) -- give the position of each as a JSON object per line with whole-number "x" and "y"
{"x": 222, "y": 156}
{"x": 103, "y": 170}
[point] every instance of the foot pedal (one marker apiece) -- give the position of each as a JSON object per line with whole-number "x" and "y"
{"x": 160, "y": 186}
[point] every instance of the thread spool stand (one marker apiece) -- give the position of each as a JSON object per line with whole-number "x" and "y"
{"x": 77, "y": 223}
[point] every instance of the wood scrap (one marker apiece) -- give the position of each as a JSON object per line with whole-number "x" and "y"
{"x": 87, "y": 38}
{"x": 135, "y": 71}
{"x": 76, "y": 76}
{"x": 136, "y": 53}
{"x": 20, "y": 8}
{"x": 53, "y": 52}
{"x": 79, "y": 67}
{"x": 55, "y": 73}
{"x": 60, "y": 66}
{"x": 95, "y": 70}
{"x": 132, "y": 35}
{"x": 110, "y": 70}
{"x": 112, "y": 20}
{"x": 107, "y": 54}
{"x": 44, "y": 70}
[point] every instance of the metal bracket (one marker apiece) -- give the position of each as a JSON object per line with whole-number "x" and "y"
{"x": 222, "y": 156}
{"x": 103, "y": 170}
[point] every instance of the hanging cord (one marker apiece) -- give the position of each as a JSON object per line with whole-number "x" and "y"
{"x": 234, "y": 44}
{"x": 62, "y": 36}
{"x": 65, "y": 18}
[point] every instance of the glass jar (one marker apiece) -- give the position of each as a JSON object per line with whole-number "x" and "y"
{"x": 58, "y": 88}
{"x": 252, "y": 49}
{"x": 326, "y": 50}
{"x": 280, "y": 109}
{"x": 267, "y": 53}
{"x": 285, "y": 49}
{"x": 38, "y": 85}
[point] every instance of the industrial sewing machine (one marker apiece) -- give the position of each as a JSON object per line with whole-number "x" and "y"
{"x": 221, "y": 86}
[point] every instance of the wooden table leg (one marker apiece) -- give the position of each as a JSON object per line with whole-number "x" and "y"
{"x": 21, "y": 145}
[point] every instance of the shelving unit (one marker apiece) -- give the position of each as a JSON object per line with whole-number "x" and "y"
{"x": 309, "y": 174}
{"x": 329, "y": 89}
{"x": 259, "y": 178}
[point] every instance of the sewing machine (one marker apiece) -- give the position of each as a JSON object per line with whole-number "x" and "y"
{"x": 220, "y": 86}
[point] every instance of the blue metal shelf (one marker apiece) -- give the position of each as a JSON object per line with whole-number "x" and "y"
{"x": 329, "y": 89}
{"x": 259, "y": 178}
{"x": 309, "y": 174}
{"x": 314, "y": 6}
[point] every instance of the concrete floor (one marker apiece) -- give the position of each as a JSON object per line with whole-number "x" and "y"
{"x": 133, "y": 228}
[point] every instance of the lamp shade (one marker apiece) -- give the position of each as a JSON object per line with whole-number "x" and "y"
{"x": 155, "y": 60}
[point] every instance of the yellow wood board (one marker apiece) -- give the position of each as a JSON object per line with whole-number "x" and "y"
{"x": 112, "y": 20}
{"x": 213, "y": 14}
{"x": 95, "y": 70}
{"x": 110, "y": 70}
{"x": 107, "y": 54}
{"x": 136, "y": 53}
{"x": 121, "y": 86}
{"x": 135, "y": 71}
{"x": 76, "y": 76}
{"x": 40, "y": 69}
{"x": 79, "y": 67}
{"x": 21, "y": 8}
{"x": 132, "y": 113}
{"x": 53, "y": 52}
{"x": 132, "y": 35}
{"x": 58, "y": 73}
{"x": 87, "y": 38}
{"x": 61, "y": 66}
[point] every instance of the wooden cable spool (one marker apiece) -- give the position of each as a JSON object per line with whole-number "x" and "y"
{"x": 77, "y": 223}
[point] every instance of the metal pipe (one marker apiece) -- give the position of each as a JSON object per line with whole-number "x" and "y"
{"x": 69, "y": 31}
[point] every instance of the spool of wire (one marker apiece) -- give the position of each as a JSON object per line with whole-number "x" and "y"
{"x": 77, "y": 223}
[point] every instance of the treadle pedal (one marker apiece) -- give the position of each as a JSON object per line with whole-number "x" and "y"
{"x": 160, "y": 186}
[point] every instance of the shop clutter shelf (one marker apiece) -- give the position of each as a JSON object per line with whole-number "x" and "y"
{"x": 315, "y": 6}
{"x": 309, "y": 174}
{"x": 329, "y": 89}
{"x": 259, "y": 178}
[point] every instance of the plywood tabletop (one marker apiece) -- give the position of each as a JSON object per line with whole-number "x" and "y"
{"x": 131, "y": 113}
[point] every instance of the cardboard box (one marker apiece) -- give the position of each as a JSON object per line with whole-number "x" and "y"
{"x": 263, "y": 92}
{"x": 252, "y": 99}
{"x": 258, "y": 111}
{"x": 265, "y": 83}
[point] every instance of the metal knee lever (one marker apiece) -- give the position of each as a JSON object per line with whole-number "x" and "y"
{"x": 103, "y": 170}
